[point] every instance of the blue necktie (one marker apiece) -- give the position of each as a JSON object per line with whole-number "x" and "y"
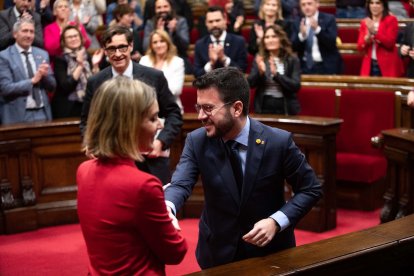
{"x": 308, "y": 50}
{"x": 35, "y": 91}
{"x": 234, "y": 156}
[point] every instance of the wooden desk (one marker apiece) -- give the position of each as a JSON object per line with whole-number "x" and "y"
{"x": 386, "y": 249}
{"x": 315, "y": 136}
{"x": 399, "y": 151}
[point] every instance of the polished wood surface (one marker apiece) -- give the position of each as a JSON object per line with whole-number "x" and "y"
{"x": 38, "y": 165}
{"x": 386, "y": 249}
{"x": 315, "y": 136}
{"x": 399, "y": 196}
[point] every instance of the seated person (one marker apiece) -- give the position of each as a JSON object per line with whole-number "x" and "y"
{"x": 314, "y": 39}
{"x": 124, "y": 17}
{"x": 219, "y": 48}
{"x": 166, "y": 19}
{"x": 72, "y": 69}
{"x": 410, "y": 99}
{"x": 181, "y": 7}
{"x": 136, "y": 7}
{"x": 350, "y": 9}
{"x": 52, "y": 31}
{"x": 377, "y": 39}
{"x": 121, "y": 209}
{"x": 275, "y": 74}
{"x": 25, "y": 76}
{"x": 270, "y": 13}
{"x": 21, "y": 9}
{"x": 162, "y": 55}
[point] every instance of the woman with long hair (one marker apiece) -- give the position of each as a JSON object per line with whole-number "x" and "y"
{"x": 162, "y": 55}
{"x": 377, "y": 40}
{"x": 275, "y": 74}
{"x": 270, "y": 13}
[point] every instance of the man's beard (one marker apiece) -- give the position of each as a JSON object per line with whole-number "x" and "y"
{"x": 223, "y": 127}
{"x": 216, "y": 32}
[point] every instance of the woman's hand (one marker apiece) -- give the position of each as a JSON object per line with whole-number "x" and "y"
{"x": 260, "y": 64}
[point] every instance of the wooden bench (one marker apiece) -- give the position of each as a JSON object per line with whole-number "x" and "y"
{"x": 387, "y": 249}
{"x": 367, "y": 106}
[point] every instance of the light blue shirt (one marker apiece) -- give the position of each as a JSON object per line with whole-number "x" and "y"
{"x": 127, "y": 73}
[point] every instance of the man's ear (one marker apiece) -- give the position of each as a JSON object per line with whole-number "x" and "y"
{"x": 238, "y": 108}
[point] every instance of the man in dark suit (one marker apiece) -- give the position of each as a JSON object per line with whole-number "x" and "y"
{"x": 118, "y": 45}
{"x": 25, "y": 76}
{"x": 219, "y": 48}
{"x": 243, "y": 166}
{"x": 8, "y": 17}
{"x": 314, "y": 39}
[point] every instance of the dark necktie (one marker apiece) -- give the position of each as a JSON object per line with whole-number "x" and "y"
{"x": 234, "y": 156}
{"x": 308, "y": 50}
{"x": 35, "y": 91}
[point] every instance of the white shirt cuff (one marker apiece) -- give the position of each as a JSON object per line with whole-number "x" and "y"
{"x": 172, "y": 206}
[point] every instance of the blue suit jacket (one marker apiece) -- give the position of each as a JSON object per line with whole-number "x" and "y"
{"x": 15, "y": 85}
{"x": 234, "y": 48}
{"x": 331, "y": 59}
{"x": 227, "y": 216}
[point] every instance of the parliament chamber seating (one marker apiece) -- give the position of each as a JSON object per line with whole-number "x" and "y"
{"x": 367, "y": 106}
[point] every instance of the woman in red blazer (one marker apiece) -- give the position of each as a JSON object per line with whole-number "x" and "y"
{"x": 121, "y": 209}
{"x": 377, "y": 37}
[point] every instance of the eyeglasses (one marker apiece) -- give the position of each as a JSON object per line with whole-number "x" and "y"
{"x": 208, "y": 109}
{"x": 121, "y": 48}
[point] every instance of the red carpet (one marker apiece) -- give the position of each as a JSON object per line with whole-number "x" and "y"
{"x": 61, "y": 250}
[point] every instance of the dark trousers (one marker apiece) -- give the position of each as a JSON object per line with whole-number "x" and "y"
{"x": 375, "y": 70}
{"x": 272, "y": 105}
{"x": 158, "y": 167}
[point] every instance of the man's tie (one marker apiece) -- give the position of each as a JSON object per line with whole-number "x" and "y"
{"x": 35, "y": 91}
{"x": 308, "y": 49}
{"x": 232, "y": 148}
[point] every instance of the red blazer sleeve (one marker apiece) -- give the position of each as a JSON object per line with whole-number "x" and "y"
{"x": 363, "y": 30}
{"x": 155, "y": 226}
{"x": 387, "y": 32}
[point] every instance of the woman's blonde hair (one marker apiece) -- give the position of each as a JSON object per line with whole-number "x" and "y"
{"x": 172, "y": 50}
{"x": 279, "y": 10}
{"x": 115, "y": 118}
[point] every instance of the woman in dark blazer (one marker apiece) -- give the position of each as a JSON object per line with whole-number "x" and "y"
{"x": 270, "y": 13}
{"x": 72, "y": 69}
{"x": 275, "y": 74}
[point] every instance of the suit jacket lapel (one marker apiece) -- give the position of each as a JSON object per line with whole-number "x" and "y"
{"x": 16, "y": 59}
{"x": 256, "y": 147}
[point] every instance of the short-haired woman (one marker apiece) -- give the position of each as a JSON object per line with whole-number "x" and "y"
{"x": 72, "y": 69}
{"x": 121, "y": 209}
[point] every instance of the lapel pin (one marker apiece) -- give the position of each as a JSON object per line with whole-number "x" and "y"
{"x": 227, "y": 44}
{"x": 258, "y": 141}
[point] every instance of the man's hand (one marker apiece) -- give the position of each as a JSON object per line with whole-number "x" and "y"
{"x": 302, "y": 27}
{"x": 404, "y": 50}
{"x": 262, "y": 233}
{"x": 212, "y": 54}
{"x": 313, "y": 23}
{"x": 174, "y": 219}
{"x": 156, "y": 150}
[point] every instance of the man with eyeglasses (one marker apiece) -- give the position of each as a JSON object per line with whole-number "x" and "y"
{"x": 117, "y": 42}
{"x": 243, "y": 166}
{"x": 21, "y": 10}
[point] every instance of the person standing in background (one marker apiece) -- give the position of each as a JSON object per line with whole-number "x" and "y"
{"x": 377, "y": 40}
{"x": 117, "y": 43}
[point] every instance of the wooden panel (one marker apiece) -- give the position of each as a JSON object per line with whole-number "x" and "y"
{"x": 382, "y": 250}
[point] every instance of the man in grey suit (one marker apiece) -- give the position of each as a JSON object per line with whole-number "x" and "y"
{"x": 21, "y": 10}
{"x": 25, "y": 76}
{"x": 243, "y": 166}
{"x": 118, "y": 45}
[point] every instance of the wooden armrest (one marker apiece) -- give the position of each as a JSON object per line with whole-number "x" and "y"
{"x": 377, "y": 141}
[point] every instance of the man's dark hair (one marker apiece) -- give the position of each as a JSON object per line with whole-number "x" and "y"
{"x": 231, "y": 84}
{"x": 116, "y": 30}
{"x": 216, "y": 8}
{"x": 121, "y": 10}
